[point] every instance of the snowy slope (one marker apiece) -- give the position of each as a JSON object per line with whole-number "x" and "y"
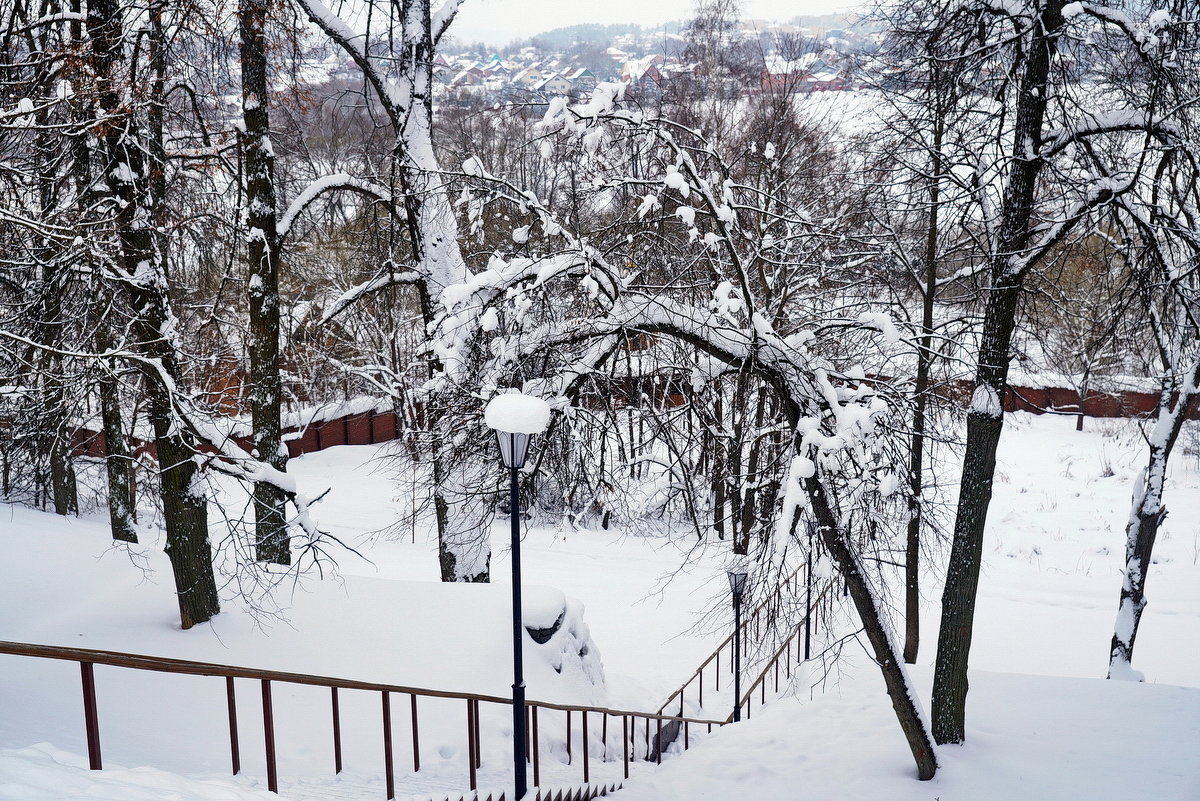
{"x": 1041, "y": 722}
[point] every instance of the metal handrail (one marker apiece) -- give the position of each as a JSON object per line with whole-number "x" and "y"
{"x": 773, "y": 662}
{"x": 88, "y": 658}
{"x": 699, "y": 672}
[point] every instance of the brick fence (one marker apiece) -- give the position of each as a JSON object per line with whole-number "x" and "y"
{"x": 362, "y": 428}
{"x": 373, "y": 427}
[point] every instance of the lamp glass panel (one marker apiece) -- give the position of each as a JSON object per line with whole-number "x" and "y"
{"x": 513, "y": 448}
{"x": 737, "y": 581}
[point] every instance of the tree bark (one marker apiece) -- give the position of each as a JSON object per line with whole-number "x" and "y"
{"x": 118, "y": 466}
{"x": 184, "y": 501}
{"x": 985, "y": 420}
{"x": 1145, "y": 517}
{"x": 262, "y": 241}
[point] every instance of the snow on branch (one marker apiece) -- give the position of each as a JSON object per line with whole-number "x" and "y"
{"x": 229, "y": 457}
{"x": 1095, "y": 124}
{"x": 439, "y": 20}
{"x": 385, "y": 278}
{"x": 325, "y": 184}
{"x": 1144, "y": 35}
{"x": 1101, "y": 192}
{"x": 333, "y": 25}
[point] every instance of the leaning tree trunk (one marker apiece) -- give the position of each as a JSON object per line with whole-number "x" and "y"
{"x": 1145, "y": 516}
{"x": 262, "y": 240}
{"x": 878, "y": 632}
{"x": 985, "y": 420}
{"x": 184, "y": 501}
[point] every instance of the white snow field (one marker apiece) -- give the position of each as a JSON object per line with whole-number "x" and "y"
{"x": 1042, "y": 722}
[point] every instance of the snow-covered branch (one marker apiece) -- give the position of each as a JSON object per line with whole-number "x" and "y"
{"x": 330, "y": 183}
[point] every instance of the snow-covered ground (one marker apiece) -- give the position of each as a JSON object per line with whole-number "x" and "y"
{"x": 1042, "y": 722}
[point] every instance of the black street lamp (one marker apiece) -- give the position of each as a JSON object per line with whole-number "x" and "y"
{"x": 515, "y": 418}
{"x": 737, "y": 584}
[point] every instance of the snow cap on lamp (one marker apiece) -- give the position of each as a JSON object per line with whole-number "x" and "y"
{"x": 514, "y": 417}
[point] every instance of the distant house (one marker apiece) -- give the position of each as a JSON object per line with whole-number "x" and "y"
{"x": 553, "y": 85}
{"x": 530, "y": 76}
{"x": 783, "y": 75}
{"x": 825, "y": 82}
{"x": 643, "y": 76}
{"x": 581, "y": 79}
{"x": 473, "y": 76}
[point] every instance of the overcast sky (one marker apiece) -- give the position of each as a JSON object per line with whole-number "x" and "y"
{"x": 500, "y": 21}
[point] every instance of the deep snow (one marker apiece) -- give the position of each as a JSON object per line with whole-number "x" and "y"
{"x": 1042, "y": 722}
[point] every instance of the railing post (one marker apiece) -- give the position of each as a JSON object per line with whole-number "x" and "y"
{"x": 478, "y": 744}
{"x": 585, "y": 748}
{"x": 91, "y": 719}
{"x": 269, "y": 736}
{"x": 659, "y": 743}
{"x": 625, "y": 743}
{"x": 537, "y": 762}
{"x": 388, "y": 771}
{"x": 235, "y": 754}
{"x": 569, "y": 758}
{"x": 471, "y": 742}
{"x": 604, "y": 738}
{"x": 808, "y": 575}
{"x": 416, "y": 743}
{"x": 337, "y": 731}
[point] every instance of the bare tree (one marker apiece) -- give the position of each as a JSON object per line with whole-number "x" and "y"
{"x": 1063, "y": 152}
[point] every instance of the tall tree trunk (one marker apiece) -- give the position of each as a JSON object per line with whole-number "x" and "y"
{"x": 56, "y": 423}
{"x": 985, "y": 420}
{"x": 916, "y": 463}
{"x": 118, "y": 465}
{"x": 262, "y": 240}
{"x": 184, "y": 501}
{"x": 464, "y": 507}
{"x": 463, "y": 516}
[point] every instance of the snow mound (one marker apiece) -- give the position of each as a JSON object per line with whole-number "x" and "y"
{"x": 563, "y": 642}
{"x": 45, "y": 773}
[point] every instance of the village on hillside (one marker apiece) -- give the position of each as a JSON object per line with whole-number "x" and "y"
{"x": 652, "y": 64}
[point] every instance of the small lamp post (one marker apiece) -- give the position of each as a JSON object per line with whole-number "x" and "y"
{"x": 737, "y": 585}
{"x": 808, "y": 578}
{"x": 515, "y": 418}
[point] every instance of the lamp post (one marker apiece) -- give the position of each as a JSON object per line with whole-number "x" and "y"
{"x": 808, "y": 577}
{"x": 515, "y": 418}
{"x": 737, "y": 585}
